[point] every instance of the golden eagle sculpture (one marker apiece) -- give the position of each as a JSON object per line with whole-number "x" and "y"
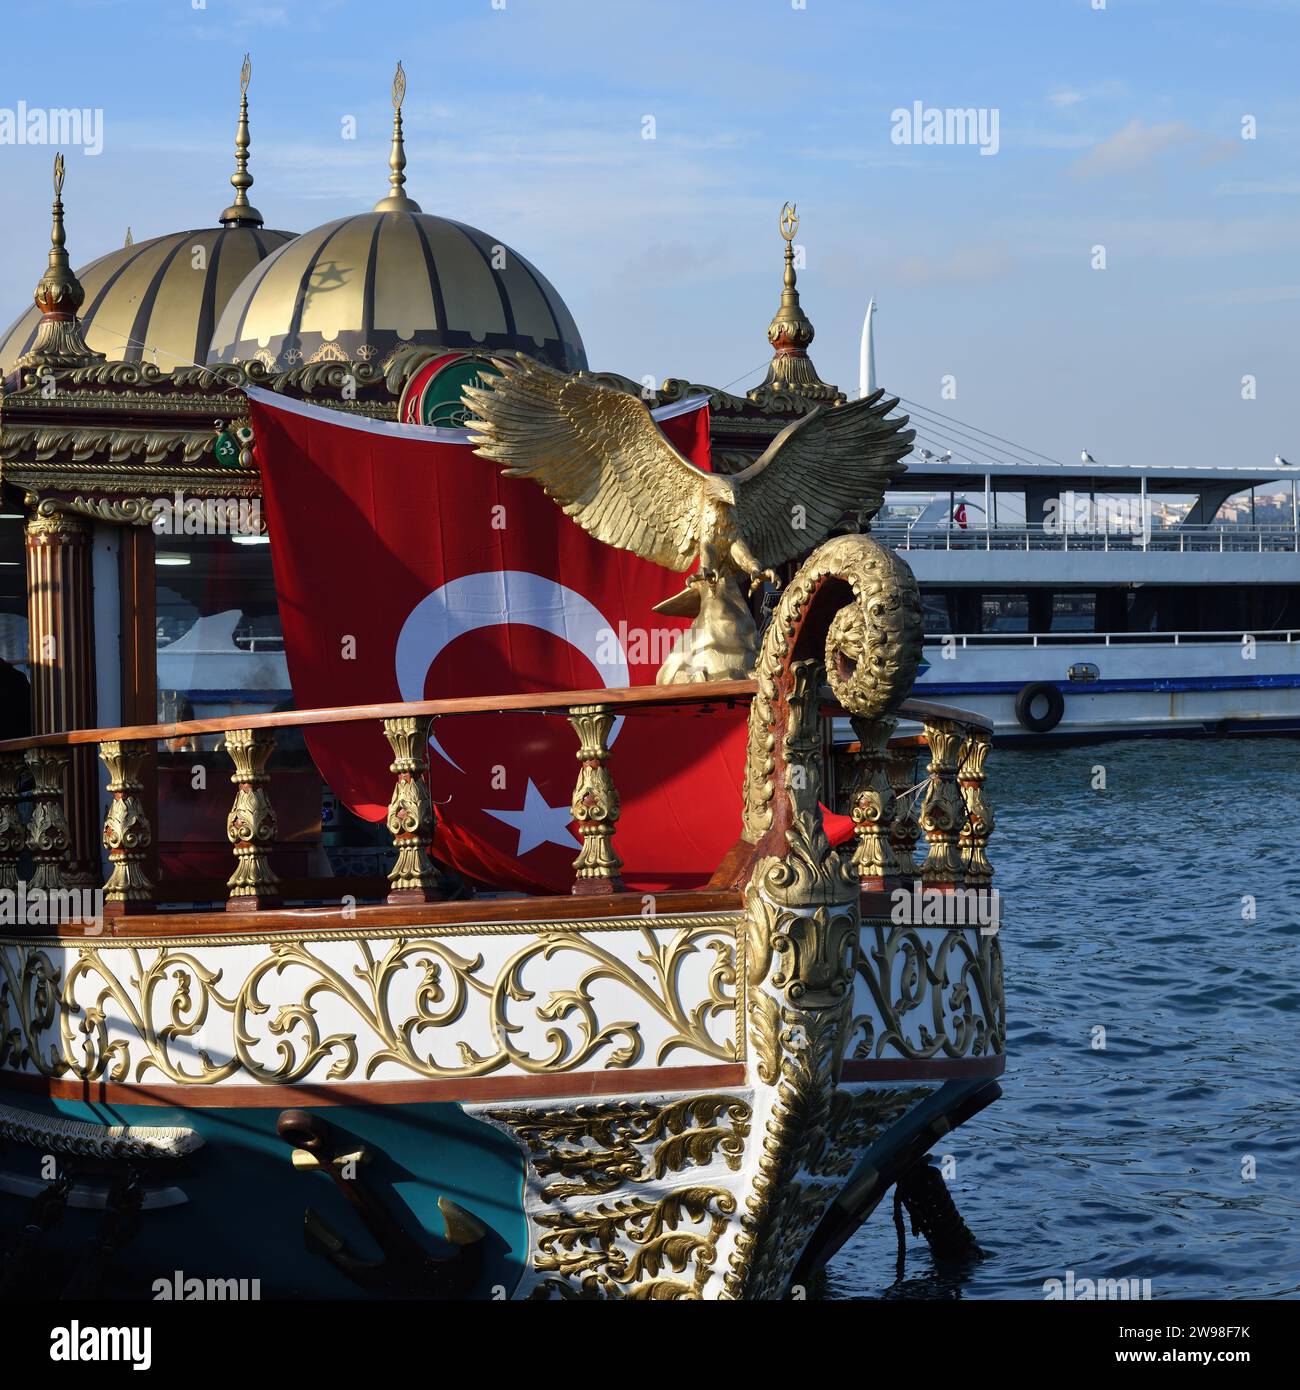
{"x": 599, "y": 455}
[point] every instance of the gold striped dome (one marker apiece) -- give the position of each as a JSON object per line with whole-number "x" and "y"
{"x": 159, "y": 300}
{"x": 361, "y": 287}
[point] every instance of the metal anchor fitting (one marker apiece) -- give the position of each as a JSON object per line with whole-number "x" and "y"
{"x": 406, "y": 1266}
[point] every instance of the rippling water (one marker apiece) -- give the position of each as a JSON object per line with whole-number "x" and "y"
{"x": 1123, "y": 909}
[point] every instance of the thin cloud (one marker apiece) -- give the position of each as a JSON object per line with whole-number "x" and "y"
{"x": 1138, "y": 147}
{"x": 1065, "y": 97}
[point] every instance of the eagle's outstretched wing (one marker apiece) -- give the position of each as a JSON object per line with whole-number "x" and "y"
{"x": 598, "y": 453}
{"x": 834, "y": 460}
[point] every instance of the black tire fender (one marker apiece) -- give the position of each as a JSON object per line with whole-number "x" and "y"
{"x": 1037, "y": 691}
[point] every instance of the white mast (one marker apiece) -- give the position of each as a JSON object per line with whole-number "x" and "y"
{"x": 867, "y": 355}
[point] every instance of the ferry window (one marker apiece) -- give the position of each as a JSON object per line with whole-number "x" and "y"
{"x": 1074, "y": 612}
{"x": 219, "y": 645}
{"x": 1004, "y": 613}
{"x": 938, "y": 615}
{"x": 220, "y": 651}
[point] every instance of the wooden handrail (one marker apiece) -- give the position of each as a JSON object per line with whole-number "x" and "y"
{"x": 554, "y": 702}
{"x": 922, "y": 710}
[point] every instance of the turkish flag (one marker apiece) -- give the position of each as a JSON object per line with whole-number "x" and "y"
{"x": 408, "y": 568}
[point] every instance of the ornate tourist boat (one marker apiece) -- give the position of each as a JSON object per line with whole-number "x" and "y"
{"x": 220, "y": 1078}
{"x": 578, "y": 1097}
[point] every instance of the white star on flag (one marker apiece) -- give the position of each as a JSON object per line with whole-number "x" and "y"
{"x": 539, "y": 823}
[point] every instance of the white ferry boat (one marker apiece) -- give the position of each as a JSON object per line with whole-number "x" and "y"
{"x": 1104, "y": 599}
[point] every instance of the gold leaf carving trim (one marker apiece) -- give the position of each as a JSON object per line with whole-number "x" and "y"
{"x": 166, "y": 1003}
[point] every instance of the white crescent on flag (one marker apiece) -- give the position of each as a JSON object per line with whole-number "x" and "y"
{"x": 495, "y": 598}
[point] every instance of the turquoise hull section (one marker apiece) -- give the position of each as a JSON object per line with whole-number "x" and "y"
{"x": 243, "y": 1217}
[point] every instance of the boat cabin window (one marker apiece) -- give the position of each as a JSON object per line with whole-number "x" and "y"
{"x": 220, "y": 651}
{"x": 1005, "y": 612}
{"x": 1074, "y": 611}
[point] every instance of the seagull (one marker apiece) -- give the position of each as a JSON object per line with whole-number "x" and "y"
{"x": 1086, "y": 457}
{"x": 945, "y": 457}
{"x": 1280, "y": 461}
{"x": 925, "y": 453}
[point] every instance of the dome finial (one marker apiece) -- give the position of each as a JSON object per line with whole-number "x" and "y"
{"x": 241, "y": 213}
{"x": 59, "y": 341}
{"x": 397, "y": 201}
{"x": 791, "y": 331}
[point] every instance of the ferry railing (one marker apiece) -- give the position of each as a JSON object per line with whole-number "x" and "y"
{"x": 893, "y": 807}
{"x": 1286, "y": 636}
{"x": 1184, "y": 539}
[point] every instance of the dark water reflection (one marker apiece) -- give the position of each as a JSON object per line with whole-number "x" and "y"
{"x": 1123, "y": 909}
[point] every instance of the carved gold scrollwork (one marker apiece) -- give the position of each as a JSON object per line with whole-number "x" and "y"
{"x": 803, "y": 897}
{"x": 942, "y": 810}
{"x": 251, "y": 826}
{"x": 596, "y": 804}
{"x": 48, "y": 836}
{"x": 654, "y": 1240}
{"x": 13, "y": 833}
{"x": 806, "y": 1042}
{"x": 590, "y": 1150}
{"x": 29, "y": 1005}
{"x": 620, "y": 1249}
{"x": 870, "y": 654}
{"x": 931, "y": 996}
{"x": 146, "y": 1013}
{"x": 126, "y": 829}
{"x": 410, "y": 812}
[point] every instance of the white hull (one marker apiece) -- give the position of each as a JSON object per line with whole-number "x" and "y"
{"x": 1188, "y": 687}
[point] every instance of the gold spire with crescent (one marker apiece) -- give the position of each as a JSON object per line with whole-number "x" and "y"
{"x": 397, "y": 201}
{"x": 791, "y": 331}
{"x": 59, "y": 294}
{"x": 241, "y": 213}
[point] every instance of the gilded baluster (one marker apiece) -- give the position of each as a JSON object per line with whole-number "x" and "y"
{"x": 905, "y": 831}
{"x": 873, "y": 806}
{"x": 595, "y": 804}
{"x": 48, "y": 835}
{"x": 942, "y": 810}
{"x": 127, "y": 835}
{"x": 979, "y": 821}
{"x": 251, "y": 826}
{"x": 411, "y": 821}
{"x": 13, "y": 833}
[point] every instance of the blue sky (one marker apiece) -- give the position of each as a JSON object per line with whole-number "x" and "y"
{"x": 1118, "y": 127}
